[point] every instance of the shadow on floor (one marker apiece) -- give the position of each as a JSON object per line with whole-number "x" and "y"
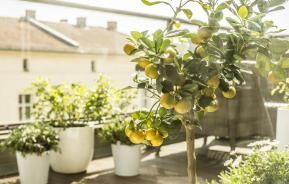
{"x": 169, "y": 169}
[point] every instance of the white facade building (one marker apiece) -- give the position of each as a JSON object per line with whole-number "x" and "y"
{"x": 60, "y": 52}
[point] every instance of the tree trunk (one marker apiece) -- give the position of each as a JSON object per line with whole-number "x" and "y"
{"x": 191, "y": 155}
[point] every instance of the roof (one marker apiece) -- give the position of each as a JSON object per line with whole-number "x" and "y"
{"x": 34, "y": 35}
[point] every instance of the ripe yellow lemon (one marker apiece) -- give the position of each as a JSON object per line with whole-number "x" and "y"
{"x": 157, "y": 141}
{"x": 183, "y": 106}
{"x": 137, "y": 137}
{"x": 243, "y": 12}
{"x": 170, "y": 55}
{"x": 231, "y": 93}
{"x": 205, "y": 33}
{"x": 177, "y": 24}
{"x": 150, "y": 134}
{"x": 151, "y": 71}
{"x": 129, "y": 48}
{"x": 167, "y": 101}
{"x": 127, "y": 131}
{"x": 143, "y": 62}
{"x": 195, "y": 39}
{"x": 214, "y": 81}
{"x": 201, "y": 52}
{"x": 213, "y": 107}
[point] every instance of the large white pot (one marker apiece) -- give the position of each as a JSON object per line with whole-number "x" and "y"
{"x": 126, "y": 159}
{"x": 282, "y": 134}
{"x": 76, "y": 150}
{"x": 33, "y": 168}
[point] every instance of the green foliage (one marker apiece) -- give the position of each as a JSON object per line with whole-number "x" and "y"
{"x": 32, "y": 138}
{"x": 282, "y": 89}
{"x": 70, "y": 105}
{"x": 217, "y": 53}
{"x": 271, "y": 167}
{"x": 60, "y": 105}
{"x": 98, "y": 102}
{"x": 115, "y": 132}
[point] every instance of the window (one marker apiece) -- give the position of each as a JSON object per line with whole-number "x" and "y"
{"x": 24, "y": 109}
{"x": 92, "y": 66}
{"x": 25, "y": 65}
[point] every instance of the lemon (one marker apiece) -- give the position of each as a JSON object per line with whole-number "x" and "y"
{"x": 205, "y": 33}
{"x": 272, "y": 77}
{"x": 157, "y": 141}
{"x": 150, "y": 134}
{"x": 137, "y": 137}
{"x": 129, "y": 48}
{"x": 213, "y": 107}
{"x": 127, "y": 131}
{"x": 201, "y": 52}
{"x": 214, "y": 81}
{"x": 143, "y": 62}
{"x": 243, "y": 12}
{"x": 231, "y": 93}
{"x": 151, "y": 71}
{"x": 170, "y": 55}
{"x": 183, "y": 106}
{"x": 178, "y": 24}
{"x": 195, "y": 39}
{"x": 167, "y": 101}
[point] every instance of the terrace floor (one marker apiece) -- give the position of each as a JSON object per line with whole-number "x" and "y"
{"x": 169, "y": 168}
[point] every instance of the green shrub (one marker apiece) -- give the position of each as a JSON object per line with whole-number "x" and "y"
{"x": 114, "y": 132}
{"x": 32, "y": 138}
{"x": 261, "y": 167}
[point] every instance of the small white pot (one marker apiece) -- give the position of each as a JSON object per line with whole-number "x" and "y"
{"x": 33, "y": 168}
{"x": 126, "y": 159}
{"x": 282, "y": 127}
{"x": 76, "y": 150}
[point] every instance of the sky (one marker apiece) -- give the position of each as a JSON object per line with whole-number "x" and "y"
{"x": 16, "y": 8}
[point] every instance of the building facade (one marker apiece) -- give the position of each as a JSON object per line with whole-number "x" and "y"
{"x": 61, "y": 52}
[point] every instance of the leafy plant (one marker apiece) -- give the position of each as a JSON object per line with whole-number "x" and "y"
{"x": 261, "y": 167}
{"x": 282, "y": 89}
{"x": 33, "y": 138}
{"x": 115, "y": 132}
{"x": 99, "y": 101}
{"x": 60, "y": 105}
{"x": 183, "y": 78}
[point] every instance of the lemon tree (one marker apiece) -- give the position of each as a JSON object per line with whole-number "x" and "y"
{"x": 184, "y": 83}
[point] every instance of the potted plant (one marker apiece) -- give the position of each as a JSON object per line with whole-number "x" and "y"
{"x": 32, "y": 144}
{"x": 184, "y": 82}
{"x": 126, "y": 155}
{"x": 62, "y": 106}
{"x": 282, "y": 124}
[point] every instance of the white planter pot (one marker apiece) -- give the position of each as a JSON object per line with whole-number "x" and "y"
{"x": 33, "y": 168}
{"x": 126, "y": 159}
{"x": 76, "y": 150}
{"x": 282, "y": 127}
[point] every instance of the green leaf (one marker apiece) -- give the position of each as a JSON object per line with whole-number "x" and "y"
{"x": 198, "y": 23}
{"x": 172, "y": 73}
{"x": 164, "y": 45}
{"x": 136, "y": 35}
{"x": 158, "y": 34}
{"x": 277, "y": 9}
{"x": 147, "y": 42}
{"x": 151, "y": 3}
{"x": 188, "y": 13}
{"x": 284, "y": 62}
{"x": 263, "y": 63}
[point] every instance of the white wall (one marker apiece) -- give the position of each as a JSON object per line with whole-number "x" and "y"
{"x": 57, "y": 68}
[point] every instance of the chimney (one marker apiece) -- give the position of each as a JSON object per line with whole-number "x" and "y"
{"x": 64, "y": 20}
{"x": 81, "y": 22}
{"x": 111, "y": 26}
{"x": 30, "y": 14}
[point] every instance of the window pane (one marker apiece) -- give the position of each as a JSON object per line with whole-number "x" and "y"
{"x": 27, "y": 99}
{"x": 27, "y": 112}
{"x": 20, "y": 113}
{"x": 20, "y": 99}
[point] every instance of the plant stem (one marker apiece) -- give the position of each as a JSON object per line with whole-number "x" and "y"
{"x": 191, "y": 155}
